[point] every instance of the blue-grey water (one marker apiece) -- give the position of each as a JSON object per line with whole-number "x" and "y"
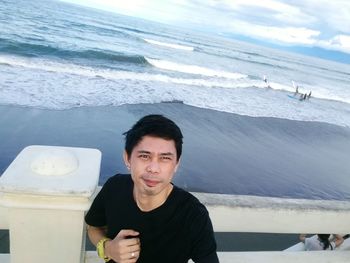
{"x": 83, "y": 57}
{"x": 58, "y": 56}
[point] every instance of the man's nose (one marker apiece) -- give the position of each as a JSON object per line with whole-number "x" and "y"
{"x": 153, "y": 166}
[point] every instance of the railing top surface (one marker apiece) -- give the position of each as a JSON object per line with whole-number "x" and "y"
{"x": 260, "y": 202}
{"x": 53, "y": 171}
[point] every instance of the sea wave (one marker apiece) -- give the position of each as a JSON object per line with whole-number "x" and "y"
{"x": 40, "y": 50}
{"x": 41, "y": 83}
{"x": 225, "y": 80}
{"x": 110, "y": 74}
{"x": 193, "y": 69}
{"x": 169, "y": 45}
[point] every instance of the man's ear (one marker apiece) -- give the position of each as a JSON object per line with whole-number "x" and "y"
{"x": 177, "y": 165}
{"x": 126, "y": 159}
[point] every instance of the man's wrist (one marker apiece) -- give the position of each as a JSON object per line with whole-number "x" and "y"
{"x": 107, "y": 248}
{"x": 100, "y": 247}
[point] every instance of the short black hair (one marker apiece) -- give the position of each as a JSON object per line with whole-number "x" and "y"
{"x": 157, "y": 126}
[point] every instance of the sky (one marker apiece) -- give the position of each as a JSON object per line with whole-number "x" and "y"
{"x": 310, "y": 24}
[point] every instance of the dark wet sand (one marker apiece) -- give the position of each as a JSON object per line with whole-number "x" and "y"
{"x": 222, "y": 153}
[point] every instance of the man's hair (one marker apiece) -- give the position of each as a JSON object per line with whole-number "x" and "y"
{"x": 325, "y": 240}
{"x": 155, "y": 126}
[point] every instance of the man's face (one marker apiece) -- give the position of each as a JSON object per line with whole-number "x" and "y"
{"x": 152, "y": 164}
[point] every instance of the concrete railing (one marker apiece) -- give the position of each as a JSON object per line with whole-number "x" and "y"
{"x": 46, "y": 190}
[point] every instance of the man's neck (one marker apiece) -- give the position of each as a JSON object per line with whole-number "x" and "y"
{"x": 148, "y": 203}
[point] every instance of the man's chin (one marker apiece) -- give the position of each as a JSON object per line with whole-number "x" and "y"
{"x": 151, "y": 191}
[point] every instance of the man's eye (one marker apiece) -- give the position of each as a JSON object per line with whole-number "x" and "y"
{"x": 166, "y": 158}
{"x": 144, "y": 156}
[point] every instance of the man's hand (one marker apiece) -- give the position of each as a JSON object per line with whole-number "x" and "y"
{"x": 124, "y": 248}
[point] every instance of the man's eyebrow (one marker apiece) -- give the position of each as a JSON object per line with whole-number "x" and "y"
{"x": 163, "y": 154}
{"x": 167, "y": 153}
{"x": 143, "y": 151}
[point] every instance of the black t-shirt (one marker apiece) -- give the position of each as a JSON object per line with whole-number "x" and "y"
{"x": 178, "y": 230}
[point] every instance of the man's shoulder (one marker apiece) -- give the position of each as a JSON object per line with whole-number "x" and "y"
{"x": 181, "y": 193}
{"x": 118, "y": 180}
{"x": 187, "y": 199}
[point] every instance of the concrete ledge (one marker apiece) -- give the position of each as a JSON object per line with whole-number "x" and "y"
{"x": 5, "y": 258}
{"x": 237, "y": 213}
{"x": 285, "y": 257}
{"x": 273, "y": 203}
{"x": 251, "y": 257}
{"x": 265, "y": 257}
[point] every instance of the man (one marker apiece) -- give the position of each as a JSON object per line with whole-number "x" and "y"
{"x": 143, "y": 217}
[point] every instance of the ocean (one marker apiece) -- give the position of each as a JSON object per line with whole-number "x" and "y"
{"x": 56, "y": 56}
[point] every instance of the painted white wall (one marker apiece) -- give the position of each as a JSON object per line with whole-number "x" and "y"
{"x": 45, "y": 193}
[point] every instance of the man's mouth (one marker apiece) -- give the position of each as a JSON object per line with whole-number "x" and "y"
{"x": 151, "y": 183}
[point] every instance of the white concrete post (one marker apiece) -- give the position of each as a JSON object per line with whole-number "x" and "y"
{"x": 46, "y": 190}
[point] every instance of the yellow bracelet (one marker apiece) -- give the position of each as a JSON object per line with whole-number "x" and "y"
{"x": 100, "y": 247}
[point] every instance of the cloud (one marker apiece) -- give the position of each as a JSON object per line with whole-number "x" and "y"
{"x": 288, "y": 35}
{"x": 263, "y": 12}
{"x": 318, "y": 23}
{"x": 268, "y": 20}
{"x": 283, "y": 10}
{"x": 321, "y": 23}
{"x": 338, "y": 42}
{"x": 332, "y": 16}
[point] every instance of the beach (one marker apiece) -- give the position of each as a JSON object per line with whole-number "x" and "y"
{"x": 222, "y": 153}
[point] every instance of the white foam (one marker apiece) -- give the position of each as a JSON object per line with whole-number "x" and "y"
{"x": 169, "y": 45}
{"x": 66, "y": 85}
{"x": 225, "y": 79}
{"x": 317, "y": 92}
{"x": 69, "y": 68}
{"x": 45, "y": 65}
{"x": 193, "y": 69}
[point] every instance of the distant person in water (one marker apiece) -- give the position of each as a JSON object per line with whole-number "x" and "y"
{"x": 267, "y": 82}
{"x": 296, "y": 90}
{"x": 309, "y": 95}
{"x": 265, "y": 79}
{"x": 321, "y": 242}
{"x": 303, "y": 96}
